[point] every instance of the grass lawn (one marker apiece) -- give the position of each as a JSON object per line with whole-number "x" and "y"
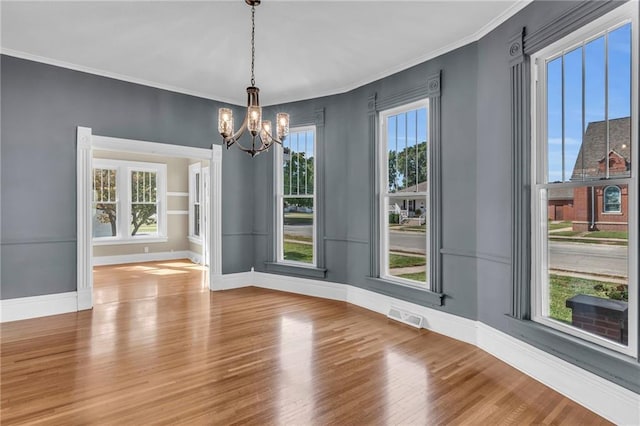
{"x": 400, "y": 261}
{"x": 623, "y": 235}
{"x": 416, "y": 276}
{"x": 559, "y": 225}
{"x": 298, "y": 252}
{"x": 565, "y": 234}
{"x": 563, "y": 288}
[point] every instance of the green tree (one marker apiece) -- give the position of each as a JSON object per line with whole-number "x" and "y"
{"x": 298, "y": 172}
{"x": 402, "y": 167}
{"x": 143, "y": 199}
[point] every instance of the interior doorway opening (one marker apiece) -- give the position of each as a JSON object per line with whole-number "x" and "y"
{"x": 140, "y": 202}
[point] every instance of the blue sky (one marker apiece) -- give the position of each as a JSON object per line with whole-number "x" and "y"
{"x": 619, "y": 103}
{"x": 405, "y": 130}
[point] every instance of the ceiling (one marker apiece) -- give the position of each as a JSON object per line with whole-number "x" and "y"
{"x": 304, "y": 49}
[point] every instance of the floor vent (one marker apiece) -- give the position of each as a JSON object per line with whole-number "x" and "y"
{"x": 406, "y": 317}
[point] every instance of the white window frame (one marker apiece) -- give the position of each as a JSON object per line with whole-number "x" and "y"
{"x": 195, "y": 169}
{"x": 123, "y": 197}
{"x": 279, "y": 190}
{"x": 383, "y": 167}
{"x": 627, "y": 13}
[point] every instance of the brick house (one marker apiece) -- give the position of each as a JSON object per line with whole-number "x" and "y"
{"x": 603, "y": 207}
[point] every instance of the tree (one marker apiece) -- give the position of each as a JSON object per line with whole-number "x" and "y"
{"x": 298, "y": 177}
{"x": 143, "y": 199}
{"x": 402, "y": 167}
{"x": 144, "y": 207}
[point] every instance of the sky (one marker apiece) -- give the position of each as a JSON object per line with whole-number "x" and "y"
{"x": 406, "y": 130}
{"x": 618, "y": 49}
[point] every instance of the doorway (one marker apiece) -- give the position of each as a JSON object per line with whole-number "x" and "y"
{"x": 153, "y": 207}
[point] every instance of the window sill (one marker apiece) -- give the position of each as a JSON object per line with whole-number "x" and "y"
{"x": 606, "y": 363}
{"x": 195, "y": 240}
{"x": 293, "y": 269}
{"x": 116, "y": 242}
{"x": 413, "y": 294}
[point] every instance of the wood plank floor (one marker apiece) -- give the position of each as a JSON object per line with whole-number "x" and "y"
{"x": 160, "y": 348}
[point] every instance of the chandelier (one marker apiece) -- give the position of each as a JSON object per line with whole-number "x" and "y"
{"x": 261, "y": 132}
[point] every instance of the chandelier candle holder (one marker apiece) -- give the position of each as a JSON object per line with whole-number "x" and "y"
{"x": 262, "y": 137}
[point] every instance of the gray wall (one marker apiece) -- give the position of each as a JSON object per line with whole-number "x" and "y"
{"x": 476, "y": 204}
{"x": 41, "y": 106}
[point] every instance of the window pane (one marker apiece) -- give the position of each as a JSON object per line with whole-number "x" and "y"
{"x": 619, "y": 105}
{"x": 298, "y": 214}
{"x": 407, "y": 151}
{"x": 554, "y": 121}
{"x": 144, "y": 219}
{"x": 196, "y": 189}
{"x": 196, "y": 220}
{"x": 588, "y": 259}
{"x": 105, "y": 220}
{"x": 407, "y": 238}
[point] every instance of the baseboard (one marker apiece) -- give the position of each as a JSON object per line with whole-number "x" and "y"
{"x": 195, "y": 257}
{"x": 85, "y": 299}
{"x": 141, "y": 257}
{"x": 231, "y": 281}
{"x": 584, "y": 387}
{"x": 309, "y": 287}
{"x": 38, "y": 306}
{"x": 587, "y": 389}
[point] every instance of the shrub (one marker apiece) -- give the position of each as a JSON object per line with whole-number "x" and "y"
{"x": 394, "y": 218}
{"x": 418, "y": 212}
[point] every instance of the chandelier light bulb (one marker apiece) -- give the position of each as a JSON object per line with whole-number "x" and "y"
{"x": 225, "y": 121}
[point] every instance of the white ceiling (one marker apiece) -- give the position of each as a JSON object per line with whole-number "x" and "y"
{"x": 304, "y": 49}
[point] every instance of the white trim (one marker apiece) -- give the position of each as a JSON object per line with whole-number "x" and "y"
{"x": 141, "y": 257}
{"x": 177, "y": 212}
{"x": 177, "y": 194}
{"x": 385, "y": 195}
{"x": 627, "y": 13}
{"x": 194, "y": 240}
{"x": 497, "y": 21}
{"x": 583, "y": 387}
{"x": 280, "y": 196}
{"x": 195, "y": 257}
{"x": 86, "y": 142}
{"x": 586, "y": 388}
{"x": 107, "y": 241}
{"x": 105, "y": 143}
{"x": 38, "y": 306}
{"x": 232, "y": 281}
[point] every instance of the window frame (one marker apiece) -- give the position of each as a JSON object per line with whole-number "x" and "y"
{"x": 384, "y": 195}
{"x": 539, "y": 156}
{"x": 195, "y": 169}
{"x": 123, "y": 196}
{"x": 279, "y": 199}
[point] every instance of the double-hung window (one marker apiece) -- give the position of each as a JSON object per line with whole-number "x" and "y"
{"x": 295, "y": 198}
{"x": 195, "y": 204}
{"x": 128, "y": 201}
{"x": 585, "y": 182}
{"x": 404, "y": 194}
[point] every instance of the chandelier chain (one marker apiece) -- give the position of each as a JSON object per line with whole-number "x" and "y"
{"x": 253, "y": 44}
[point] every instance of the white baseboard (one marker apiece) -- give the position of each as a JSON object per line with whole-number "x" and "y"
{"x": 584, "y": 387}
{"x": 323, "y": 289}
{"x": 141, "y": 257}
{"x": 587, "y": 389}
{"x": 38, "y": 306}
{"x": 231, "y": 281}
{"x": 85, "y": 299}
{"x": 195, "y": 257}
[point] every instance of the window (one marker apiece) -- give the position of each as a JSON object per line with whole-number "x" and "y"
{"x": 128, "y": 193}
{"x": 404, "y": 194}
{"x": 296, "y": 199}
{"x": 585, "y": 263}
{"x": 195, "y": 207}
{"x": 612, "y": 199}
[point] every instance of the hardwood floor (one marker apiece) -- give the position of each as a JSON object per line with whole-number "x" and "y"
{"x": 160, "y": 348}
